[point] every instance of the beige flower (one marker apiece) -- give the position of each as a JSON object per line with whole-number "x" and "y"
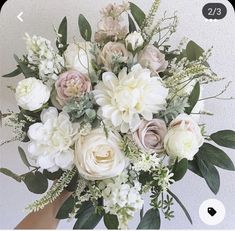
{"x": 183, "y": 138}
{"x": 150, "y": 135}
{"x": 110, "y": 28}
{"x": 98, "y": 157}
{"x": 152, "y": 59}
{"x": 114, "y": 52}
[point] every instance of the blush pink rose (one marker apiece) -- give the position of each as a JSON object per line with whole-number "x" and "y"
{"x": 71, "y": 84}
{"x": 150, "y": 135}
{"x": 150, "y": 57}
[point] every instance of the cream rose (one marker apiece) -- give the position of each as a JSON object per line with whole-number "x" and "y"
{"x": 134, "y": 41}
{"x": 150, "y": 135}
{"x": 78, "y": 57}
{"x": 31, "y": 94}
{"x": 151, "y": 58}
{"x": 183, "y": 138}
{"x": 98, "y": 157}
{"x": 111, "y": 51}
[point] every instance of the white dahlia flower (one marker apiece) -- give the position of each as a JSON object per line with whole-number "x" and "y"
{"x": 51, "y": 141}
{"x": 125, "y": 98}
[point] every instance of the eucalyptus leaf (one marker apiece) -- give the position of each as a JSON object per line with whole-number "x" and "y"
{"x": 179, "y": 169}
{"x": 151, "y": 220}
{"x": 63, "y": 30}
{"x": 132, "y": 26}
{"x": 24, "y": 157}
{"x": 137, "y": 14}
{"x": 225, "y": 138}
{"x": 193, "y": 166}
{"x": 181, "y": 205}
{"x": 84, "y": 27}
{"x": 111, "y": 221}
{"x": 193, "y": 98}
{"x": 215, "y": 156}
{"x": 11, "y": 174}
{"x": 36, "y": 182}
{"x": 52, "y": 175}
{"x": 193, "y": 51}
{"x": 210, "y": 174}
{"x": 28, "y": 72}
{"x": 66, "y": 208}
{"x": 13, "y": 73}
{"x": 87, "y": 219}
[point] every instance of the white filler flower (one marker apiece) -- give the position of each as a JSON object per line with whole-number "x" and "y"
{"x": 124, "y": 98}
{"x": 31, "y": 94}
{"x": 99, "y": 157}
{"x": 51, "y": 141}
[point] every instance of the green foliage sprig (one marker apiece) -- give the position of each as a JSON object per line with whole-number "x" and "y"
{"x": 54, "y": 191}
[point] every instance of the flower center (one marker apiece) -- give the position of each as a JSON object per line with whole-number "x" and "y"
{"x": 103, "y": 153}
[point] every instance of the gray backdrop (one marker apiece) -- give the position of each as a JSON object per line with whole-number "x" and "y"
{"x": 38, "y": 19}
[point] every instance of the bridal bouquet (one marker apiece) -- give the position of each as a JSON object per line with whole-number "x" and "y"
{"x": 115, "y": 117}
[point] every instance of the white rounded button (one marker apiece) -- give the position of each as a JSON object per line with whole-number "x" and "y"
{"x": 212, "y": 212}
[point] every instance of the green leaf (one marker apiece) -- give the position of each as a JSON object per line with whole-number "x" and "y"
{"x": 63, "y": 32}
{"x": 9, "y": 173}
{"x": 132, "y": 26}
{"x": 13, "y": 73}
{"x": 181, "y": 205}
{"x": 137, "y": 14}
{"x": 192, "y": 166}
{"x": 87, "y": 218}
{"x": 111, "y": 221}
{"x": 151, "y": 220}
{"x": 24, "y": 68}
{"x": 193, "y": 51}
{"x": 210, "y": 174}
{"x": 145, "y": 177}
{"x": 52, "y": 175}
{"x": 23, "y": 157}
{"x": 193, "y": 98}
{"x": 179, "y": 169}
{"x": 36, "y": 182}
{"x": 91, "y": 113}
{"x": 66, "y": 208}
{"x": 215, "y": 156}
{"x": 84, "y": 27}
{"x": 225, "y": 138}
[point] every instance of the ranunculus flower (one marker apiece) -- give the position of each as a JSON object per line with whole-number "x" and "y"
{"x": 71, "y": 84}
{"x": 78, "y": 57}
{"x": 98, "y": 157}
{"x": 31, "y": 94}
{"x": 125, "y": 97}
{"x": 183, "y": 138}
{"x": 134, "y": 41}
{"x": 150, "y": 135}
{"x": 52, "y": 139}
{"x": 151, "y": 58}
{"x": 114, "y": 51}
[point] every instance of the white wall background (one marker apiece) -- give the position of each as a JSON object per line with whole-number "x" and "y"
{"x": 38, "y": 19}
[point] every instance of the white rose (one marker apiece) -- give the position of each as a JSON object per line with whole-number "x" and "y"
{"x": 78, "y": 57}
{"x": 183, "y": 138}
{"x": 134, "y": 41}
{"x": 98, "y": 157}
{"x": 52, "y": 139}
{"x": 31, "y": 94}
